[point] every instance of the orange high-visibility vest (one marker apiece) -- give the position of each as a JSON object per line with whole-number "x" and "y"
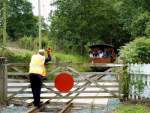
{"x": 37, "y": 65}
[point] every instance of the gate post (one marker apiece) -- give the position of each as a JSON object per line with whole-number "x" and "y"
{"x": 3, "y": 80}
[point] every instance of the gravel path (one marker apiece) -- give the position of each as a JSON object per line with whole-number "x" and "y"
{"x": 13, "y": 109}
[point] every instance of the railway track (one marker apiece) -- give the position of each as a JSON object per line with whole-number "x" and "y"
{"x": 53, "y": 107}
{"x": 66, "y": 106}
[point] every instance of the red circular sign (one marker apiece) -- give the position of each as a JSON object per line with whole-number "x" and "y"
{"x": 64, "y": 82}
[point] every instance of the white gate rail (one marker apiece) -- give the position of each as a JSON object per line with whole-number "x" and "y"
{"x": 139, "y": 87}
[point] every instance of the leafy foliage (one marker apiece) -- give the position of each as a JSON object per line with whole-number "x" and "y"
{"x": 31, "y": 43}
{"x": 134, "y": 16}
{"x": 16, "y": 56}
{"x": 20, "y": 19}
{"x": 137, "y": 51}
{"x": 78, "y": 22}
{"x": 1, "y": 27}
{"x": 0, "y": 13}
{"x": 139, "y": 86}
{"x": 139, "y": 25}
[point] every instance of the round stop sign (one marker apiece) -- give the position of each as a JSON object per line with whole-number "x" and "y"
{"x": 64, "y": 82}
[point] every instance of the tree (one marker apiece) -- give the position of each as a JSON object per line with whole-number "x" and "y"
{"x": 139, "y": 24}
{"x": 4, "y": 23}
{"x": 78, "y": 22}
{"x": 134, "y": 15}
{"x": 21, "y": 20}
{"x": 136, "y": 51}
{"x": 1, "y": 27}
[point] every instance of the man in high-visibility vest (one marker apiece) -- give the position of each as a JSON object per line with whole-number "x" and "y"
{"x": 37, "y": 72}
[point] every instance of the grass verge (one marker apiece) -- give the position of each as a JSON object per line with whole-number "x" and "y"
{"x": 133, "y": 108}
{"x": 17, "y": 55}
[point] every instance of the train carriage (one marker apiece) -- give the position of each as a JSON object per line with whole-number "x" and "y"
{"x": 101, "y": 53}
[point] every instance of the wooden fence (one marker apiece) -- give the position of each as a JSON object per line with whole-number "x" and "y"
{"x": 3, "y": 80}
{"x": 139, "y": 87}
{"x": 98, "y": 83}
{"x": 139, "y": 79}
{"x": 20, "y": 90}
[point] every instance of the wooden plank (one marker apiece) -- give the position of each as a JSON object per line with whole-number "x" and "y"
{"x": 103, "y": 73}
{"x": 102, "y": 81}
{"x": 10, "y": 97}
{"x": 17, "y": 64}
{"x": 18, "y": 85}
{"x": 81, "y": 83}
{"x": 103, "y": 87}
{"x": 3, "y": 80}
{"x": 86, "y": 84}
{"x": 57, "y": 93}
{"x": 111, "y": 65}
{"x": 45, "y": 91}
{"x": 52, "y": 84}
{"x": 17, "y": 80}
{"x": 16, "y": 69}
{"x": 17, "y": 74}
{"x": 70, "y": 97}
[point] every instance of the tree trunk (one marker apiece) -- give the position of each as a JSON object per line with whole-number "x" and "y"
{"x": 81, "y": 47}
{"x": 4, "y": 23}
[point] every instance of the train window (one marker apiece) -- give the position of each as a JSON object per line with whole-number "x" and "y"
{"x": 102, "y": 53}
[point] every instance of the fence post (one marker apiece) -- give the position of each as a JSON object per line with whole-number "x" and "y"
{"x": 3, "y": 80}
{"x": 124, "y": 80}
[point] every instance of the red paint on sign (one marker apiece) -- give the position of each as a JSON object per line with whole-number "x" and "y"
{"x": 64, "y": 82}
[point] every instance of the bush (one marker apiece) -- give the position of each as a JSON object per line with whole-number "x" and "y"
{"x": 33, "y": 43}
{"x": 26, "y": 43}
{"x": 139, "y": 25}
{"x": 16, "y": 56}
{"x": 137, "y": 51}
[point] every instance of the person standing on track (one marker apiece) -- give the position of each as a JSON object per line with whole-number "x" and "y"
{"x": 37, "y": 72}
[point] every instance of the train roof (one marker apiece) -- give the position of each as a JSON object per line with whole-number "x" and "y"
{"x": 101, "y": 46}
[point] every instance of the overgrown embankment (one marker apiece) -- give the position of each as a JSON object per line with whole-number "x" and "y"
{"x": 17, "y": 55}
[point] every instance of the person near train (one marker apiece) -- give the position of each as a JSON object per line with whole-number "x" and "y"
{"x": 37, "y": 71}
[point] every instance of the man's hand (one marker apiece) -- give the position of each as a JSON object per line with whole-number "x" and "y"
{"x": 49, "y": 50}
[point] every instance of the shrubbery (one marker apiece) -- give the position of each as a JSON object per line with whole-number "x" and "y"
{"x": 33, "y": 43}
{"x": 137, "y": 51}
{"x": 16, "y": 56}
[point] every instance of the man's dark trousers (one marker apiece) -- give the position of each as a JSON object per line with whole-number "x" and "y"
{"x": 36, "y": 84}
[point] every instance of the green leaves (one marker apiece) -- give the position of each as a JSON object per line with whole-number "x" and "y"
{"x": 78, "y": 22}
{"x": 134, "y": 15}
{"x": 139, "y": 24}
{"x": 137, "y": 51}
{"x": 21, "y": 20}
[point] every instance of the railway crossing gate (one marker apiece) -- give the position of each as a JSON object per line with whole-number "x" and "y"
{"x": 88, "y": 85}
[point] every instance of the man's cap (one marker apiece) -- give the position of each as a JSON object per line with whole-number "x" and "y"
{"x": 41, "y": 50}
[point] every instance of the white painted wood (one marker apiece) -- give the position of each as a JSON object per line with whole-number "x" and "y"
{"x": 139, "y": 72}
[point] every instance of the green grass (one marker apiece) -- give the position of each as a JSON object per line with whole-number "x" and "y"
{"x": 18, "y": 55}
{"x": 22, "y": 53}
{"x": 70, "y": 57}
{"x": 131, "y": 108}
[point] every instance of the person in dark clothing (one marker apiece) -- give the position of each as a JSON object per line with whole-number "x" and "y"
{"x": 37, "y": 72}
